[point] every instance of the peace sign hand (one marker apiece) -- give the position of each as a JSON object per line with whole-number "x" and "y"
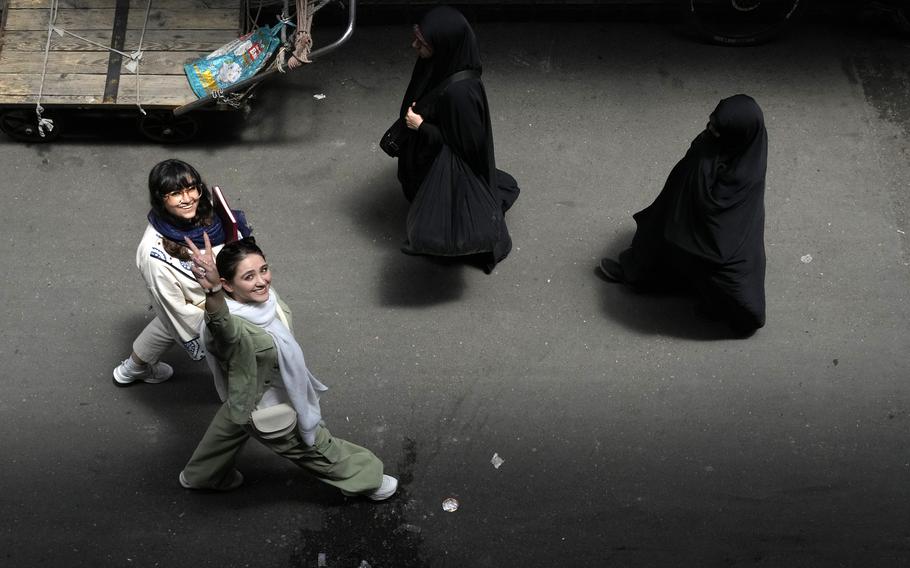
{"x": 204, "y": 268}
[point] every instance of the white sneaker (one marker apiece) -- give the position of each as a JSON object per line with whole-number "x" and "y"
{"x": 386, "y": 490}
{"x": 236, "y": 481}
{"x": 156, "y": 373}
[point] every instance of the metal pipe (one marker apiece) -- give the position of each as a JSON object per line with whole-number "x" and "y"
{"x": 348, "y": 32}
{"x": 255, "y": 79}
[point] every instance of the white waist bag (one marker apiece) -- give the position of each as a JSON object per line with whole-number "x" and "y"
{"x": 274, "y": 421}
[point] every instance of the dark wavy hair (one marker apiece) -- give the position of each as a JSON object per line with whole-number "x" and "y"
{"x": 233, "y": 254}
{"x": 174, "y": 175}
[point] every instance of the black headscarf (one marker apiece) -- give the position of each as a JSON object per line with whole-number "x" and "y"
{"x": 708, "y": 223}
{"x": 447, "y": 167}
{"x": 454, "y": 47}
{"x": 459, "y": 117}
{"x": 716, "y": 201}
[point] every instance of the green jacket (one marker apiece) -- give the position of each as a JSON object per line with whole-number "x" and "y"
{"x": 247, "y": 357}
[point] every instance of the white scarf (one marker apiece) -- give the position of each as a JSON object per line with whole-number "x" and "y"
{"x": 301, "y": 386}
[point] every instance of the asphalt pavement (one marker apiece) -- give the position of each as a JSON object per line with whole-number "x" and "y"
{"x": 633, "y": 432}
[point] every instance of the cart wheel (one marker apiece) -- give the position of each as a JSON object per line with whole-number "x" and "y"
{"x": 22, "y": 124}
{"x": 740, "y": 22}
{"x": 901, "y": 17}
{"x": 164, "y": 127}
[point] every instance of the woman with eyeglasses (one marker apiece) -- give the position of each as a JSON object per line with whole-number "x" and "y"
{"x": 181, "y": 208}
{"x": 446, "y": 164}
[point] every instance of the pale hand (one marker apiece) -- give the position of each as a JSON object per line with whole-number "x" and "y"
{"x": 412, "y": 119}
{"x": 204, "y": 268}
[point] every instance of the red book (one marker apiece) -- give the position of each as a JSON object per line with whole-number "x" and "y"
{"x": 231, "y": 232}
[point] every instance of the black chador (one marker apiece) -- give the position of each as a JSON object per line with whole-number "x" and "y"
{"x": 706, "y": 228}
{"x": 447, "y": 167}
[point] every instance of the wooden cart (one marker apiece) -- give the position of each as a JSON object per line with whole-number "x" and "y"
{"x": 81, "y": 73}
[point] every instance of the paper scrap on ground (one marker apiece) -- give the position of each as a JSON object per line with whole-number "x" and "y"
{"x": 496, "y": 460}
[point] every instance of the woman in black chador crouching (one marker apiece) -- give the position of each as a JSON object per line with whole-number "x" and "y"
{"x": 446, "y": 165}
{"x": 706, "y": 228}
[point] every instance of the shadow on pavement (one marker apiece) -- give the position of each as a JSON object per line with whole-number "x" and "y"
{"x": 660, "y": 314}
{"x": 410, "y": 281}
{"x": 184, "y": 407}
{"x": 185, "y": 369}
{"x": 271, "y": 119}
{"x": 220, "y": 129}
{"x": 672, "y": 314}
{"x": 360, "y": 531}
{"x": 380, "y": 211}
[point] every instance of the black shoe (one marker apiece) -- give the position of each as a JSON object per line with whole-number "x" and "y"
{"x": 612, "y": 270}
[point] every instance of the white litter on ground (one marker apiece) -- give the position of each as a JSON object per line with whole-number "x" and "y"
{"x": 450, "y": 505}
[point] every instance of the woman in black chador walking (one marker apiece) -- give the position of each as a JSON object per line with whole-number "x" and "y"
{"x": 706, "y": 228}
{"x": 446, "y": 164}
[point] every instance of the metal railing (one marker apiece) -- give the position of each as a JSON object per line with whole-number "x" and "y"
{"x": 259, "y": 77}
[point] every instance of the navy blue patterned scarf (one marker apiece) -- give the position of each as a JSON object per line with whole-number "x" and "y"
{"x": 215, "y": 229}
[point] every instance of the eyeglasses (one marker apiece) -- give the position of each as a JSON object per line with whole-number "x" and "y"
{"x": 189, "y": 192}
{"x": 419, "y": 40}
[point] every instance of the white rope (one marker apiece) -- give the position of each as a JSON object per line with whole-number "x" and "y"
{"x": 62, "y": 31}
{"x": 137, "y": 55}
{"x": 132, "y": 65}
{"x": 281, "y": 55}
{"x": 309, "y": 7}
{"x": 319, "y": 4}
{"x": 46, "y": 123}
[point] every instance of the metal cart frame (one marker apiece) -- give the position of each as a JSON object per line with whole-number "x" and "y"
{"x": 84, "y": 63}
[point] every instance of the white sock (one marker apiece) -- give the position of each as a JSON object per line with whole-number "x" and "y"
{"x": 132, "y": 367}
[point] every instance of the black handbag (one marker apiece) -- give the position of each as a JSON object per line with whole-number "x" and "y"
{"x": 394, "y": 138}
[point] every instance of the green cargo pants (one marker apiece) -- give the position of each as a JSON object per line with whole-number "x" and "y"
{"x": 331, "y": 460}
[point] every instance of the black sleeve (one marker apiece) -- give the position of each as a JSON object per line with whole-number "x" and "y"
{"x": 463, "y": 116}
{"x": 429, "y": 138}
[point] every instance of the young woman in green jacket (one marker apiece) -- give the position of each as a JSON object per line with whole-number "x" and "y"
{"x": 271, "y": 395}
